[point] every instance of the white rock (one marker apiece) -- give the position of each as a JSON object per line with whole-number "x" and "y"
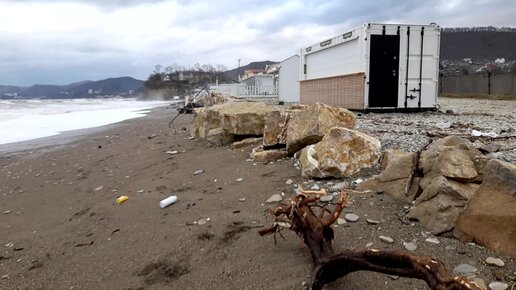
{"x": 358, "y": 181}
{"x": 465, "y": 269}
{"x": 410, "y": 246}
{"x": 239, "y": 179}
{"x": 198, "y": 172}
{"x": 495, "y": 261}
{"x": 274, "y": 198}
{"x": 242, "y": 199}
{"x": 326, "y": 198}
{"x": 99, "y": 188}
{"x": 372, "y": 222}
{"x": 341, "y": 221}
{"x": 289, "y": 182}
{"x": 498, "y": 286}
{"x": 351, "y": 217}
{"x": 173, "y": 152}
{"x": 339, "y": 186}
{"x": 368, "y": 245}
{"x": 432, "y": 240}
{"x": 386, "y": 239}
{"x": 203, "y": 221}
{"x": 315, "y": 187}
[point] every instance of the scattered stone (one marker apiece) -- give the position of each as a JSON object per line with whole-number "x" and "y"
{"x": 242, "y": 199}
{"x": 258, "y": 154}
{"x": 351, "y": 217}
{"x": 7, "y": 212}
{"x": 410, "y": 246}
{"x": 239, "y": 179}
{"x": 465, "y": 269}
{"x": 495, "y": 261}
{"x": 198, "y": 172}
{"x": 450, "y": 248}
{"x": 368, "y": 245}
{"x": 289, "y": 182}
{"x": 372, "y": 222}
{"x": 5, "y": 277}
{"x": 99, "y": 188}
{"x": 326, "y": 198}
{"x": 432, "y": 240}
{"x": 274, "y": 198}
{"x": 498, "y": 286}
{"x": 386, "y": 239}
{"x": 340, "y": 186}
{"x": 315, "y": 187}
{"x": 246, "y": 142}
{"x": 341, "y": 221}
{"x": 173, "y": 152}
{"x": 394, "y": 277}
{"x": 203, "y": 221}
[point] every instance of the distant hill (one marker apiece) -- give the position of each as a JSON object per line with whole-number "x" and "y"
{"x": 233, "y": 74}
{"x": 479, "y": 45}
{"x": 121, "y": 86}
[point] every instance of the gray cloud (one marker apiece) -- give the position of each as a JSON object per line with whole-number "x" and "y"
{"x": 66, "y": 41}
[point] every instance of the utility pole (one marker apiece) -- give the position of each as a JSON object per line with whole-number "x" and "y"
{"x": 238, "y": 70}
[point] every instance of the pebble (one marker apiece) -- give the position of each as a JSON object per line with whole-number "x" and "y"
{"x": 372, "y": 222}
{"x": 386, "y": 239}
{"x": 495, "y": 261}
{"x": 432, "y": 240}
{"x": 5, "y": 277}
{"x": 498, "y": 286}
{"x": 341, "y": 221}
{"x": 173, "y": 152}
{"x": 410, "y": 246}
{"x": 274, "y": 198}
{"x": 465, "y": 269}
{"x": 7, "y": 212}
{"x": 239, "y": 179}
{"x": 368, "y": 245}
{"x": 351, "y": 217}
{"x": 242, "y": 199}
{"x": 99, "y": 188}
{"x": 198, "y": 172}
{"x": 326, "y": 198}
{"x": 339, "y": 186}
{"x": 315, "y": 187}
{"x": 203, "y": 221}
{"x": 289, "y": 182}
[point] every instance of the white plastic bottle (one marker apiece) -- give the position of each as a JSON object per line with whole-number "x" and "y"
{"x": 168, "y": 201}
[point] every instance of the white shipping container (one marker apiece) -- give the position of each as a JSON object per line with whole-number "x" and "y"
{"x": 374, "y": 67}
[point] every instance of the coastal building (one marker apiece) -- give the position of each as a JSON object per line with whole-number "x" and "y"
{"x": 288, "y": 80}
{"x": 373, "y": 67}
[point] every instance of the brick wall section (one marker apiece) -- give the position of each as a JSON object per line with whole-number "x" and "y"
{"x": 345, "y": 91}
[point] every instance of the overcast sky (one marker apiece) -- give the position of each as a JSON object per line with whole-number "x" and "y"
{"x": 58, "y": 42}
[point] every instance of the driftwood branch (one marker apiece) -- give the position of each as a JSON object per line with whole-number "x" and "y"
{"x": 312, "y": 222}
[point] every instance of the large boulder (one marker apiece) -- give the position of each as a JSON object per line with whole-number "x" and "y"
{"x": 275, "y": 130}
{"x": 341, "y": 152}
{"x": 440, "y": 204}
{"x": 234, "y": 118}
{"x": 490, "y": 217}
{"x": 396, "y": 164}
{"x": 400, "y": 189}
{"x": 451, "y": 157}
{"x": 308, "y": 126}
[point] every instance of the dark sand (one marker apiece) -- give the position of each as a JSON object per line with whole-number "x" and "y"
{"x": 60, "y": 227}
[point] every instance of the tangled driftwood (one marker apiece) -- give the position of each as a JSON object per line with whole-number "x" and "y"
{"x": 311, "y": 220}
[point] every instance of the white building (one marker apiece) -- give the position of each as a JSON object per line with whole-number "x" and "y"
{"x": 288, "y": 87}
{"x": 373, "y": 67}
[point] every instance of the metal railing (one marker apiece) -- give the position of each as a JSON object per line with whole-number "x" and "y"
{"x": 243, "y": 91}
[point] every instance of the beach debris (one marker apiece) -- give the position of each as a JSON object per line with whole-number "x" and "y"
{"x": 432, "y": 240}
{"x": 476, "y": 133}
{"x": 357, "y": 181}
{"x": 274, "y": 198}
{"x": 85, "y": 244}
{"x": 5, "y": 277}
{"x": 200, "y": 171}
{"x": 98, "y": 188}
{"x": 242, "y": 199}
{"x": 314, "y": 223}
{"x": 7, "y": 212}
{"x": 172, "y": 152}
{"x": 443, "y": 125}
{"x": 289, "y": 181}
{"x": 168, "y": 201}
{"x": 495, "y": 261}
{"x": 203, "y": 221}
{"x": 122, "y": 199}
{"x": 372, "y": 222}
{"x": 239, "y": 179}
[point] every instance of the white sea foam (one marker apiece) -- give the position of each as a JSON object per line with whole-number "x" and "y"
{"x": 22, "y": 120}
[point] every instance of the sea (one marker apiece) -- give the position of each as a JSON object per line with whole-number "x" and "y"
{"x": 22, "y": 120}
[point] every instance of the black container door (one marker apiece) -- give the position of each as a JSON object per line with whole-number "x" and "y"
{"x": 383, "y": 71}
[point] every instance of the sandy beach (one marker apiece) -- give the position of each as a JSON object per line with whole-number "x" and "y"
{"x": 60, "y": 227}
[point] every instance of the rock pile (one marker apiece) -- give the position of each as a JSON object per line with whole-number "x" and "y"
{"x": 334, "y": 148}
